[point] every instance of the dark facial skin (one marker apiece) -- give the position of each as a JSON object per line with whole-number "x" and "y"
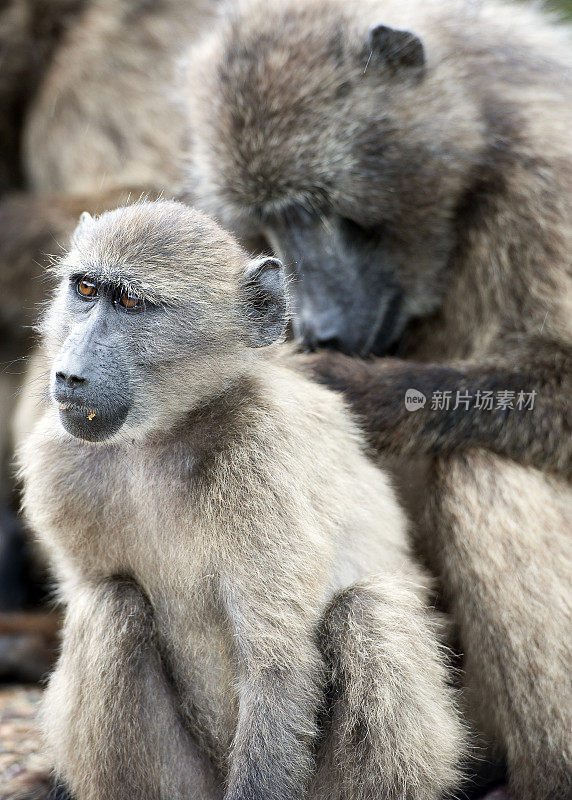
{"x": 326, "y": 255}
{"x": 351, "y": 297}
{"x": 90, "y": 381}
{"x": 133, "y": 347}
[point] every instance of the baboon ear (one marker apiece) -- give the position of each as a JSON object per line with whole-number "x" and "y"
{"x": 85, "y": 220}
{"x": 264, "y": 301}
{"x": 400, "y": 48}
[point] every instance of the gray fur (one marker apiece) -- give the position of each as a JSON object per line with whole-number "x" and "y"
{"x": 420, "y": 199}
{"x": 220, "y": 556}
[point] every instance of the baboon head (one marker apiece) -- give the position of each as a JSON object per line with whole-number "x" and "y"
{"x": 157, "y": 311}
{"x": 324, "y": 128}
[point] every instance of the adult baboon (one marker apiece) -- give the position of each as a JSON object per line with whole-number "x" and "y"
{"x": 225, "y": 549}
{"x": 411, "y": 164}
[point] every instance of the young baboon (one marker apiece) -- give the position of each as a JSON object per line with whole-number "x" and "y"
{"x": 411, "y": 163}
{"x": 228, "y": 555}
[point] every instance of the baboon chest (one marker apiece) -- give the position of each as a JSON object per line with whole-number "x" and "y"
{"x": 140, "y": 520}
{"x": 112, "y": 514}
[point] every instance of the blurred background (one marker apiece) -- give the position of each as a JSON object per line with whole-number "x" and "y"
{"x": 562, "y": 5}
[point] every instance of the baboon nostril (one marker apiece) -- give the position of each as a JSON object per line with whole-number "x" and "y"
{"x": 69, "y": 380}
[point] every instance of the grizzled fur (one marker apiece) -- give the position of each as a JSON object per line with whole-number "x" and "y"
{"x": 30, "y": 32}
{"x": 230, "y": 556}
{"x": 411, "y": 165}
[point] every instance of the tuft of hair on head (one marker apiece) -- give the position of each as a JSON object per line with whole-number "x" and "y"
{"x": 164, "y": 251}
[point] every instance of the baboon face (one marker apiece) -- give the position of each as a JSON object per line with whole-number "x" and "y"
{"x": 328, "y": 139}
{"x": 157, "y": 310}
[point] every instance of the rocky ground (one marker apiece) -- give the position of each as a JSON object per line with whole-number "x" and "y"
{"x": 20, "y": 759}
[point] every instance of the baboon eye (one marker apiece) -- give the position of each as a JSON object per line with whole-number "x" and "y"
{"x": 355, "y": 232}
{"x": 86, "y": 288}
{"x": 129, "y": 301}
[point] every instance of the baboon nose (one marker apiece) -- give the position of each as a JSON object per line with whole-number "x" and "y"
{"x": 71, "y": 381}
{"x": 317, "y": 331}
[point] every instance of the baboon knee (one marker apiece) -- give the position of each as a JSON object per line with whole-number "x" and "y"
{"x": 392, "y": 727}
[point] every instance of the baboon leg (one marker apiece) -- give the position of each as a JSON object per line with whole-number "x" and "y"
{"x": 110, "y": 714}
{"x": 503, "y": 539}
{"x": 392, "y": 730}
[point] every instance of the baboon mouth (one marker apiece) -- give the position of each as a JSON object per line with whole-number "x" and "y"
{"x": 90, "y": 412}
{"x": 91, "y": 423}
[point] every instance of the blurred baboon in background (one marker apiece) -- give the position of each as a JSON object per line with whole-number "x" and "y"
{"x": 411, "y": 164}
{"x": 89, "y": 119}
{"x": 30, "y": 32}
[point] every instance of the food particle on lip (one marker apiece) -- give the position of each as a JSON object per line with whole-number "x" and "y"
{"x": 63, "y": 406}
{"x": 91, "y": 415}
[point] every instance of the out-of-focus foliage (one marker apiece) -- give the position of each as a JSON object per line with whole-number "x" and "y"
{"x": 562, "y": 6}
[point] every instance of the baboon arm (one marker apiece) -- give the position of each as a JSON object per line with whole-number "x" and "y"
{"x": 394, "y": 730}
{"x": 530, "y": 420}
{"x": 279, "y": 695}
{"x": 111, "y": 714}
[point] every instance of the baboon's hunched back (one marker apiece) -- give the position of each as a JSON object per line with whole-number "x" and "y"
{"x": 411, "y": 164}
